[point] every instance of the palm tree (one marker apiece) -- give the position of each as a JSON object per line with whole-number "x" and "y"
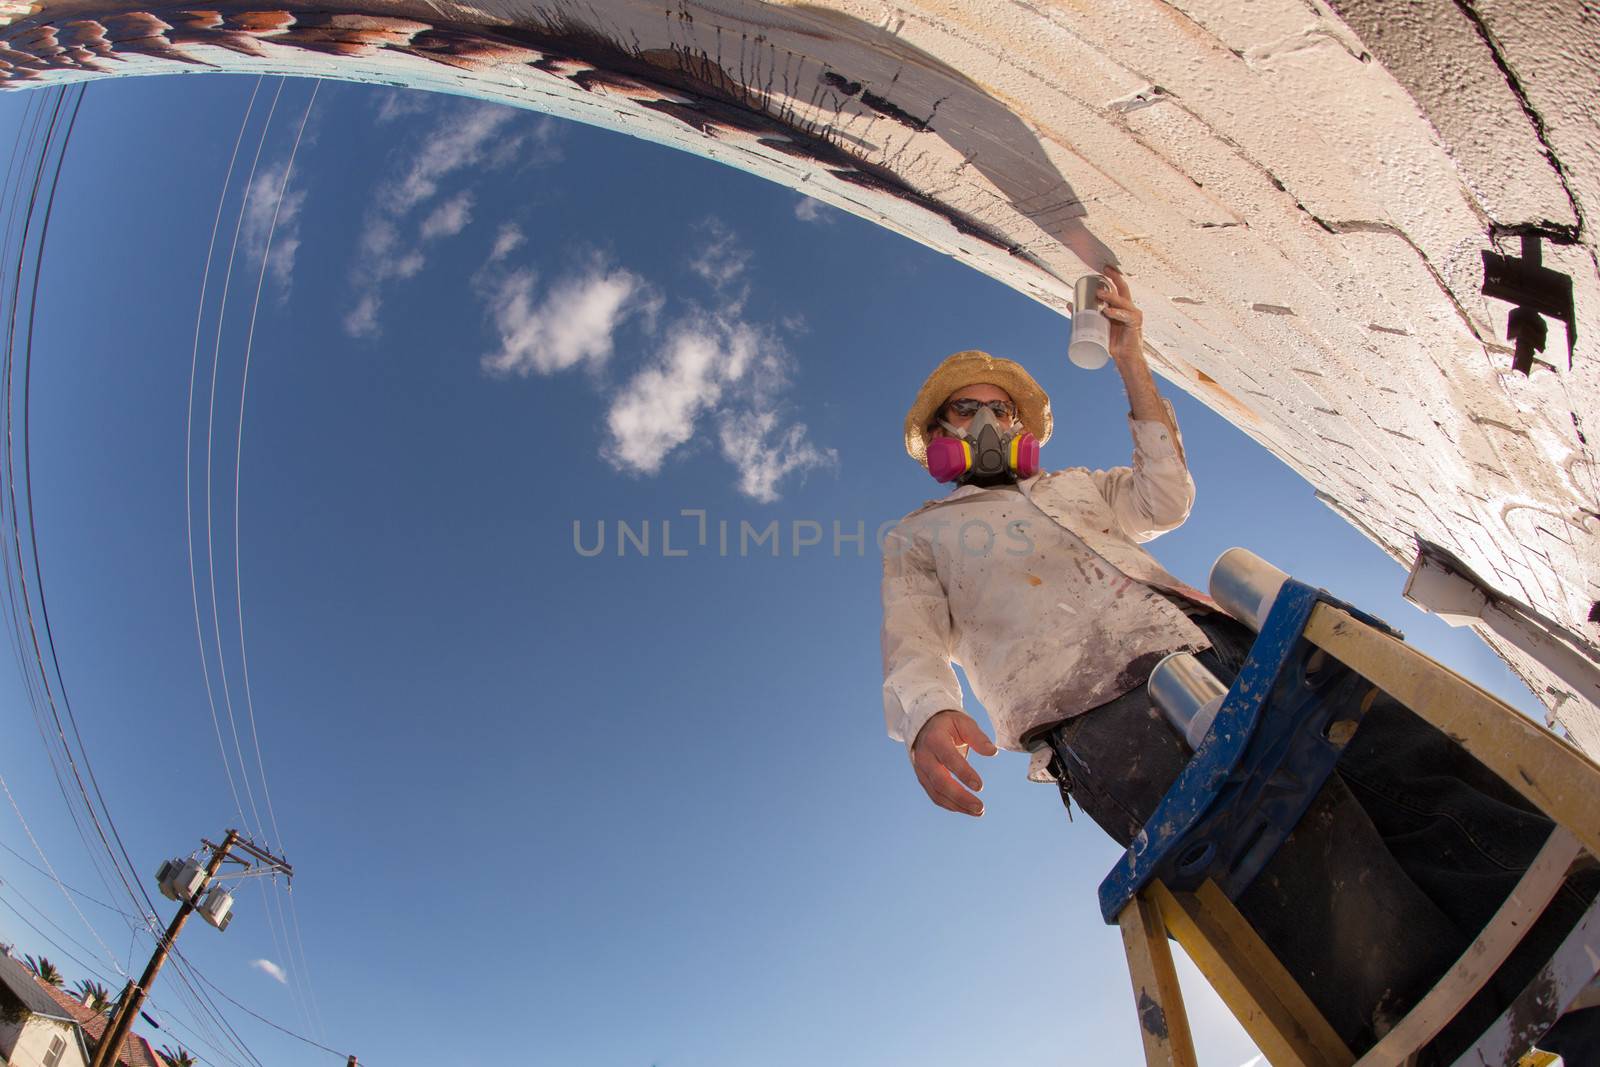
{"x": 94, "y": 995}
{"x": 45, "y": 970}
{"x": 182, "y": 1057}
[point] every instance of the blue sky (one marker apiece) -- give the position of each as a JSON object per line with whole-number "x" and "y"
{"x": 597, "y": 809}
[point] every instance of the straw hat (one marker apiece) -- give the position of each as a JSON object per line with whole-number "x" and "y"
{"x": 972, "y": 368}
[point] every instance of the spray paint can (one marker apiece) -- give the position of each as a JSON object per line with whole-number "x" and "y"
{"x": 1188, "y": 694}
{"x": 1090, "y": 347}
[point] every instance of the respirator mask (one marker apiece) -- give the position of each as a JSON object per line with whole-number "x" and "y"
{"x": 983, "y": 454}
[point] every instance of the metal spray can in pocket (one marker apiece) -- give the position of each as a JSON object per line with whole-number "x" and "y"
{"x": 1090, "y": 347}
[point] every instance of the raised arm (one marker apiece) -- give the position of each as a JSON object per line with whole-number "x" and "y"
{"x": 1127, "y": 351}
{"x": 1156, "y": 493}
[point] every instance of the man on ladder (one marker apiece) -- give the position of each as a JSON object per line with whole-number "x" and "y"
{"x": 1035, "y": 582}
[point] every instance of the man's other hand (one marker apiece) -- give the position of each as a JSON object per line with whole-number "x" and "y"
{"x": 939, "y": 755}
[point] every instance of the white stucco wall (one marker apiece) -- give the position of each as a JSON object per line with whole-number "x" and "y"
{"x": 32, "y": 1042}
{"x": 1301, "y": 192}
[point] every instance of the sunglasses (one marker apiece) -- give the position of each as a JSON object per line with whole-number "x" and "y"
{"x": 966, "y": 408}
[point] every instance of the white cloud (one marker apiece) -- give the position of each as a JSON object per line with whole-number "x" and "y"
{"x": 401, "y": 103}
{"x": 449, "y": 218}
{"x": 722, "y": 259}
{"x": 712, "y": 375}
{"x": 508, "y": 240}
{"x": 362, "y": 319}
{"x": 271, "y": 969}
{"x": 764, "y": 453}
{"x": 380, "y": 259}
{"x": 258, "y": 223}
{"x": 472, "y": 137}
{"x": 808, "y": 210}
{"x": 575, "y": 322}
{"x": 656, "y": 411}
{"x": 720, "y": 367}
{"x": 462, "y": 139}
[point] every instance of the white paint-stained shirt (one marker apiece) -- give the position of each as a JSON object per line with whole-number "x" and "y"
{"x": 1039, "y": 590}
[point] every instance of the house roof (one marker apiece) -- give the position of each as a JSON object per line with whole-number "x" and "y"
{"x": 135, "y": 1051}
{"x": 32, "y": 992}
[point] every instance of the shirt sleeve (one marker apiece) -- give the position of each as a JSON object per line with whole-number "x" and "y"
{"x": 918, "y": 679}
{"x": 1156, "y": 493}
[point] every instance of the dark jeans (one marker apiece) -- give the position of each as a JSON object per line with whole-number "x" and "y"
{"x": 1405, "y": 854}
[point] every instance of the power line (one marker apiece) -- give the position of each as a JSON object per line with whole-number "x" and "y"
{"x": 54, "y": 925}
{"x": 249, "y": 190}
{"x": 216, "y": 359}
{"x": 227, "y": 763}
{"x": 44, "y": 610}
{"x": 216, "y": 612}
{"x": 238, "y": 458}
{"x": 188, "y": 447}
{"x": 56, "y": 878}
{"x": 278, "y": 943}
{"x": 269, "y": 1022}
{"x": 51, "y": 873}
{"x": 26, "y": 609}
{"x": 53, "y": 943}
{"x": 14, "y": 610}
{"x": 12, "y": 196}
{"x": 188, "y": 475}
{"x": 72, "y": 761}
{"x": 309, "y": 1009}
{"x": 59, "y": 883}
{"x": 300, "y": 971}
{"x": 204, "y": 1013}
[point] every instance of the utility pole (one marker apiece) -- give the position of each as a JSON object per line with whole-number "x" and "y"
{"x": 105, "y": 1054}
